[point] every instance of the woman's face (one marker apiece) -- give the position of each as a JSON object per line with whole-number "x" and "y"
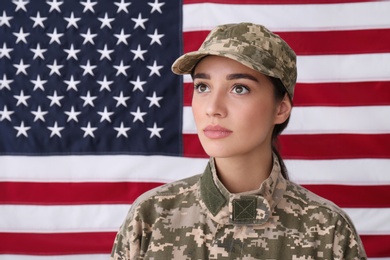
{"x": 234, "y": 108}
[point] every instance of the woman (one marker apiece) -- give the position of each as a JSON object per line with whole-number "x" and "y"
{"x": 243, "y": 206}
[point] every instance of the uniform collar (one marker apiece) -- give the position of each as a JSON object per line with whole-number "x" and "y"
{"x": 253, "y": 207}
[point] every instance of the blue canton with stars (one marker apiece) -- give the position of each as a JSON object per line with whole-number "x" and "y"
{"x": 90, "y": 77}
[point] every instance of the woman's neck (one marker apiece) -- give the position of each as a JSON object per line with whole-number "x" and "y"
{"x": 246, "y": 173}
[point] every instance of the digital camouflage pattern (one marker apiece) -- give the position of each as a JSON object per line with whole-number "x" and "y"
{"x": 250, "y": 44}
{"x": 197, "y": 218}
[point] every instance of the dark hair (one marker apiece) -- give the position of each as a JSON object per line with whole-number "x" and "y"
{"x": 279, "y": 92}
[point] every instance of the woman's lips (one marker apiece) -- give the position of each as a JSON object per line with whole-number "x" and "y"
{"x": 216, "y": 132}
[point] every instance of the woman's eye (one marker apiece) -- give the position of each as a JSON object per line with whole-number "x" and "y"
{"x": 240, "y": 89}
{"x": 201, "y": 88}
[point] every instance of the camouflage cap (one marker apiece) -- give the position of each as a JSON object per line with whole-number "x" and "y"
{"x": 250, "y": 44}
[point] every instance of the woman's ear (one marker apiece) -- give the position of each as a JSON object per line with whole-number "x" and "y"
{"x": 283, "y": 110}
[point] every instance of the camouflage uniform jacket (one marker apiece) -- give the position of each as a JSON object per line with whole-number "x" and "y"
{"x": 197, "y": 218}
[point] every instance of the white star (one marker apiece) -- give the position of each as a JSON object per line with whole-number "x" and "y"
{"x": 122, "y": 37}
{"x": 154, "y": 100}
{"x": 54, "y": 5}
{"x": 38, "y": 83}
{"x": 105, "y": 115}
{"x": 122, "y": 6}
{"x": 55, "y": 37}
{"x": 22, "y": 99}
{"x": 121, "y": 100}
{"x": 5, "y": 51}
{"x": 38, "y": 20}
{"x": 4, "y": 19}
{"x": 72, "y": 53}
{"x": 121, "y": 69}
{"x": 55, "y": 68}
{"x": 105, "y": 84}
{"x": 22, "y": 130}
{"x": 6, "y": 114}
{"x": 105, "y": 53}
{"x": 88, "y": 68}
{"x": 139, "y": 21}
{"x": 155, "y": 131}
{"x": 88, "y": 5}
{"x": 72, "y": 21}
{"x": 4, "y": 83}
{"x": 138, "y": 84}
{"x": 55, "y": 100}
{"x": 122, "y": 130}
{"x": 39, "y": 114}
{"x": 72, "y": 114}
{"x": 20, "y": 4}
{"x": 72, "y": 83}
{"x": 21, "y": 36}
{"x": 154, "y": 69}
{"x": 155, "y": 37}
{"x": 55, "y": 130}
{"x": 138, "y": 53}
{"x": 88, "y": 37}
{"x": 38, "y": 52}
{"x": 88, "y": 99}
{"x": 156, "y": 6}
{"x": 138, "y": 115}
{"x": 89, "y": 130}
{"x": 21, "y": 67}
{"x": 106, "y": 21}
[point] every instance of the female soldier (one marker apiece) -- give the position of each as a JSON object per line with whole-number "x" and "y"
{"x": 243, "y": 206}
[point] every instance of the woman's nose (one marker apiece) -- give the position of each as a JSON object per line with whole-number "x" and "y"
{"x": 216, "y": 105}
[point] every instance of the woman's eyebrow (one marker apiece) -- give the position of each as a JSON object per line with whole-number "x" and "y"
{"x": 241, "y": 76}
{"x": 201, "y": 76}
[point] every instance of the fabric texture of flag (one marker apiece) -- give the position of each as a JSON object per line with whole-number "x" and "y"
{"x": 91, "y": 115}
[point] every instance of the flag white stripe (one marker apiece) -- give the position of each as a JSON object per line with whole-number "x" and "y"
{"x": 324, "y": 120}
{"x": 290, "y": 17}
{"x": 378, "y": 223}
{"x": 139, "y": 169}
{"x": 59, "y": 219}
{"x": 359, "y": 119}
{"x": 107, "y": 168}
{"x": 340, "y": 68}
{"x": 89, "y": 218}
{"x": 340, "y": 171}
{"x": 343, "y": 68}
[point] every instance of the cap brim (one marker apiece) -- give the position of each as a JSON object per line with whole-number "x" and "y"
{"x": 186, "y": 63}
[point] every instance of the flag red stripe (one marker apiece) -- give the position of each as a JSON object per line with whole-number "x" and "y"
{"x": 188, "y": 90}
{"x": 73, "y": 193}
{"x": 334, "y": 94}
{"x": 243, "y": 2}
{"x": 318, "y": 42}
{"x": 193, "y": 39}
{"x": 192, "y": 147}
{"x": 347, "y": 196}
{"x": 335, "y": 146}
{"x": 330, "y": 94}
{"x": 101, "y": 242}
{"x": 56, "y": 243}
{"x": 375, "y": 245}
{"x": 316, "y": 146}
{"x": 338, "y": 42}
{"x": 39, "y": 193}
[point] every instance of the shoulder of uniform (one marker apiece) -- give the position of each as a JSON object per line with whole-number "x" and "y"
{"x": 169, "y": 189}
{"x": 306, "y": 198}
{"x": 147, "y": 207}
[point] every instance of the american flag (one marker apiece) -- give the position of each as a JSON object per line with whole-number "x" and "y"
{"x": 91, "y": 116}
